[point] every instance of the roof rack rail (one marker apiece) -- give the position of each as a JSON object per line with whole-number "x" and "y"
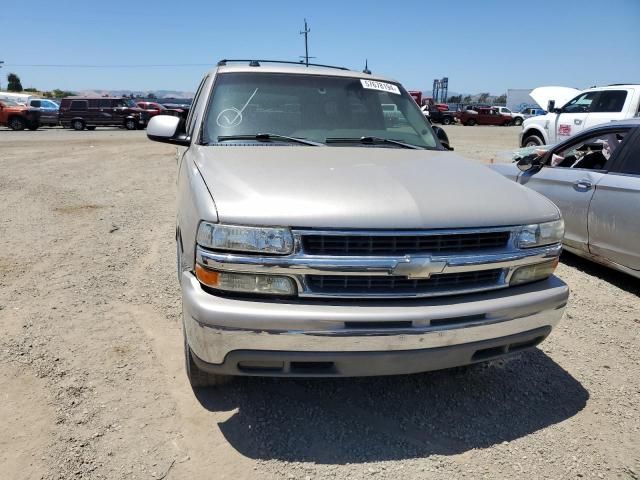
{"x": 257, "y": 62}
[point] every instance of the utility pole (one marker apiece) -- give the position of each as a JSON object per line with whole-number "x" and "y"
{"x": 305, "y": 32}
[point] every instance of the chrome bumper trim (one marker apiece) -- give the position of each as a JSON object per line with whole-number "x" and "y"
{"x": 216, "y": 326}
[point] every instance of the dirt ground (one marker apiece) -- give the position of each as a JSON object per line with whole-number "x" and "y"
{"x": 92, "y": 383}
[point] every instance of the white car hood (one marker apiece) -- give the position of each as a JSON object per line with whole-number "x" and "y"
{"x": 561, "y": 95}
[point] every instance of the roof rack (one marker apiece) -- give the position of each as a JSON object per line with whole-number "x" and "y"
{"x": 256, "y": 63}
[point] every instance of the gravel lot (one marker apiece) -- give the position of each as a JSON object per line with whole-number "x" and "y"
{"x": 92, "y": 382}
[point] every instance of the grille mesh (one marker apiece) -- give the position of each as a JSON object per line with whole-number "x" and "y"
{"x": 370, "y": 285}
{"x": 380, "y": 245}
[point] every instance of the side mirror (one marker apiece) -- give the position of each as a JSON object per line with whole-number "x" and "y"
{"x": 166, "y": 129}
{"x": 442, "y": 136}
{"x": 530, "y": 162}
{"x": 551, "y": 106}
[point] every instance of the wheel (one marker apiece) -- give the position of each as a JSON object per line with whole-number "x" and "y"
{"x": 446, "y": 121}
{"x": 92, "y": 127}
{"x": 517, "y": 121}
{"x": 17, "y": 124}
{"x": 77, "y": 125}
{"x": 199, "y": 378}
{"x": 130, "y": 124}
{"x": 532, "y": 141}
{"x": 471, "y": 122}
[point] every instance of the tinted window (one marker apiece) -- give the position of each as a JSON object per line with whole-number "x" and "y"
{"x": 104, "y": 103}
{"x": 631, "y": 163}
{"x": 580, "y": 104}
{"x": 36, "y": 103}
{"x": 94, "y": 103}
{"x": 78, "y": 105}
{"x": 610, "y": 101}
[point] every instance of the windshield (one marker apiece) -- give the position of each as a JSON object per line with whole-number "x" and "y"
{"x": 315, "y": 108}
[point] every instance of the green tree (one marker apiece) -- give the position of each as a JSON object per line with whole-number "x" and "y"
{"x": 30, "y": 89}
{"x": 466, "y": 99}
{"x": 455, "y": 99}
{"x": 502, "y": 99}
{"x": 151, "y": 96}
{"x": 483, "y": 97}
{"x": 57, "y": 93}
{"x": 14, "y": 83}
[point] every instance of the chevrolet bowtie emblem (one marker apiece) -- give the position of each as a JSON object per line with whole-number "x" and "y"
{"x": 418, "y": 267}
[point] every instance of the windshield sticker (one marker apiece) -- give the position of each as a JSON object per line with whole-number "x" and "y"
{"x": 232, "y": 117}
{"x": 382, "y": 86}
{"x": 564, "y": 129}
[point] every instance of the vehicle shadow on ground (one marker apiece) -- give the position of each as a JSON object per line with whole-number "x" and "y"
{"x": 355, "y": 420}
{"x": 621, "y": 280}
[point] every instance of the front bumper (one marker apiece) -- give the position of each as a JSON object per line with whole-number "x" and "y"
{"x": 410, "y": 335}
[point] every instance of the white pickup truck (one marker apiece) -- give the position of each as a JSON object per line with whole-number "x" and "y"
{"x": 583, "y": 109}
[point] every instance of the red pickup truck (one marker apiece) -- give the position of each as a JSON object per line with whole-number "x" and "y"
{"x": 484, "y": 116}
{"x": 18, "y": 117}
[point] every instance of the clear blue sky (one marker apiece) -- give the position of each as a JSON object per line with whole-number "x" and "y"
{"x": 488, "y": 45}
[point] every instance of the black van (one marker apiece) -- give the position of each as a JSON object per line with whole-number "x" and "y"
{"x": 91, "y": 112}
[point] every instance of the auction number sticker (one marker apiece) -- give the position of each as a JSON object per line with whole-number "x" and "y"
{"x": 382, "y": 86}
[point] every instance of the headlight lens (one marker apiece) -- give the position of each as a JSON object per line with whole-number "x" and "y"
{"x": 245, "y": 239}
{"x": 246, "y": 282}
{"x": 532, "y": 273}
{"x": 539, "y": 234}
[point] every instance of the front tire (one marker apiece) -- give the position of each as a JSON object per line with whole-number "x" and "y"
{"x": 471, "y": 122}
{"x": 532, "y": 141}
{"x": 517, "y": 121}
{"x": 446, "y": 121}
{"x": 33, "y": 126}
{"x": 17, "y": 124}
{"x": 77, "y": 125}
{"x": 130, "y": 124}
{"x": 199, "y": 378}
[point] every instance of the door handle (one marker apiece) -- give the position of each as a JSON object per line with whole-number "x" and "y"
{"x": 577, "y": 121}
{"x": 583, "y": 185}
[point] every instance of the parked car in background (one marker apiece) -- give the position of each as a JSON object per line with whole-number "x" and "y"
{"x": 91, "y": 112}
{"x": 532, "y": 112}
{"x": 594, "y": 178}
{"x": 516, "y": 118}
{"x": 19, "y": 98}
{"x": 483, "y": 116}
{"x": 586, "y": 109}
{"x": 436, "y": 115}
{"x": 339, "y": 250}
{"x": 18, "y": 117}
{"x": 154, "y": 108}
{"x": 48, "y": 110}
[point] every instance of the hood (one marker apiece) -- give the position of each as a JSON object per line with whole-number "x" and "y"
{"x": 362, "y": 187}
{"x": 561, "y": 95}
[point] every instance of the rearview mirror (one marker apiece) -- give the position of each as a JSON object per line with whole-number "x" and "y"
{"x": 167, "y": 129}
{"x": 529, "y": 162}
{"x": 442, "y": 136}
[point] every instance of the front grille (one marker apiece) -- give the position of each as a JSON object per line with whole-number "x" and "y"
{"x": 381, "y": 245}
{"x": 353, "y": 285}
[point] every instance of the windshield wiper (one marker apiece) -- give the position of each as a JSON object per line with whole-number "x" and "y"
{"x": 372, "y": 141}
{"x": 267, "y": 137}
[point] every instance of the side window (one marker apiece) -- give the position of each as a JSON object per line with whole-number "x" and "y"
{"x": 610, "y": 101}
{"x": 590, "y": 153}
{"x": 580, "y": 104}
{"x": 631, "y": 162}
{"x": 104, "y": 103}
{"x": 79, "y": 105}
{"x": 194, "y": 103}
{"x": 36, "y": 103}
{"x": 93, "y": 103}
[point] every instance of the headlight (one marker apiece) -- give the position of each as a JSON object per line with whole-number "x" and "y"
{"x": 245, "y": 239}
{"x": 539, "y": 234}
{"x": 532, "y": 273}
{"x": 246, "y": 282}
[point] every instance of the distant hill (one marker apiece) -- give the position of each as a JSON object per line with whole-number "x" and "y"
{"x": 141, "y": 93}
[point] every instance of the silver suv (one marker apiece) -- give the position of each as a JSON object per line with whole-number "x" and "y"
{"x": 316, "y": 236}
